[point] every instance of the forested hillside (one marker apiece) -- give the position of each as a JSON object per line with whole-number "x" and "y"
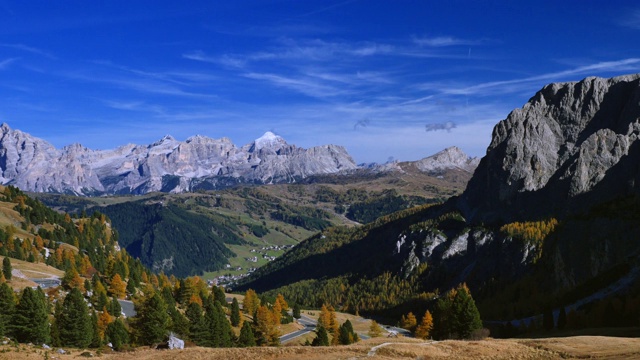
{"x": 171, "y": 239}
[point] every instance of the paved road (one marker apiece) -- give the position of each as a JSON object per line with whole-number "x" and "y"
{"x": 309, "y": 326}
{"x": 397, "y": 330}
{"x": 127, "y": 308}
{"x": 46, "y": 283}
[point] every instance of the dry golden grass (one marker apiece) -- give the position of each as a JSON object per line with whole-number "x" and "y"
{"x": 35, "y": 270}
{"x": 17, "y": 283}
{"x": 592, "y": 347}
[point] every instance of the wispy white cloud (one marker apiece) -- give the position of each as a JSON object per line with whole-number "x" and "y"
{"x": 5, "y": 63}
{"x": 631, "y": 19}
{"x": 306, "y": 86}
{"x": 527, "y": 83}
{"x": 441, "y": 41}
{"x": 30, "y": 49}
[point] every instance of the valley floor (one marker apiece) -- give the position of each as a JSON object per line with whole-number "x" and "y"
{"x": 579, "y": 347}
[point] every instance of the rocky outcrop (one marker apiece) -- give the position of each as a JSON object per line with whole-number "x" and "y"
{"x": 572, "y": 145}
{"x": 167, "y": 165}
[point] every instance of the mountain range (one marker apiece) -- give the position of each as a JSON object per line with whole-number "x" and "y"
{"x": 169, "y": 165}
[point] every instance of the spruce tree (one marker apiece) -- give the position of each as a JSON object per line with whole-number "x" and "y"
{"x": 296, "y": 311}
{"x": 117, "y": 334}
{"x": 466, "y": 317}
{"x": 57, "y": 314}
{"x": 6, "y": 268}
{"x": 346, "y": 335}
{"x": 7, "y": 307}
{"x": 95, "y": 332}
{"x": 235, "y": 312}
{"x": 74, "y": 325}
{"x": 197, "y": 327}
{"x": 442, "y": 317}
{"x": 153, "y": 320}
{"x": 219, "y": 296}
{"x": 246, "y": 338}
{"x": 179, "y": 323}
{"x": 131, "y": 287}
{"x": 30, "y": 321}
{"x": 114, "y": 307}
{"x": 322, "y": 338}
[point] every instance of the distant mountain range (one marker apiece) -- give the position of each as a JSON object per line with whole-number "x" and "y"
{"x": 169, "y": 165}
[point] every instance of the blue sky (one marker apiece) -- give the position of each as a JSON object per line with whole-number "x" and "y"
{"x": 371, "y": 75}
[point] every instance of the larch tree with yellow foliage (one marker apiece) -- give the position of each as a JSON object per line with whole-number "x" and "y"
{"x": 251, "y": 302}
{"x": 423, "y": 331}
{"x": 409, "y": 322}
{"x": 117, "y": 287}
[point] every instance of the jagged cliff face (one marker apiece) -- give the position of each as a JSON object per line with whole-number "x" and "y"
{"x": 573, "y": 144}
{"x": 167, "y": 165}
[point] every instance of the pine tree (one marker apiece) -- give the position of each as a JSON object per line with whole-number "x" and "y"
{"x": 375, "y": 330}
{"x": 96, "y": 340}
{"x": 197, "y": 327}
{"x": 235, "y": 313}
{"x": 246, "y": 338}
{"x": 55, "y": 334}
{"x": 117, "y": 334}
{"x": 74, "y": 324}
{"x": 322, "y": 338}
{"x": 131, "y": 287}
{"x": 423, "y": 331}
{"x": 179, "y": 323}
{"x": 153, "y": 321}
{"x": 218, "y": 295}
{"x": 7, "y": 306}
{"x": 466, "y": 317}
{"x": 6, "y": 268}
{"x": 346, "y": 335}
{"x": 30, "y": 321}
{"x": 115, "y": 308}
{"x": 296, "y": 311}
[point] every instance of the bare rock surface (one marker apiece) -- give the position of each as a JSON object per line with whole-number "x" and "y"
{"x": 571, "y": 145}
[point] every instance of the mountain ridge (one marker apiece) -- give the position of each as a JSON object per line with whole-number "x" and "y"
{"x": 166, "y": 165}
{"x": 169, "y": 165}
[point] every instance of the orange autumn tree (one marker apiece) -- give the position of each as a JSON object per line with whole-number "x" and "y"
{"x": 409, "y": 322}
{"x": 266, "y": 327}
{"x": 423, "y": 331}
{"x": 117, "y": 287}
{"x": 251, "y": 302}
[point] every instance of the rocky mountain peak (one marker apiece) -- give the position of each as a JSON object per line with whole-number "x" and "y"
{"x": 449, "y": 158}
{"x": 268, "y": 140}
{"x": 571, "y": 145}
